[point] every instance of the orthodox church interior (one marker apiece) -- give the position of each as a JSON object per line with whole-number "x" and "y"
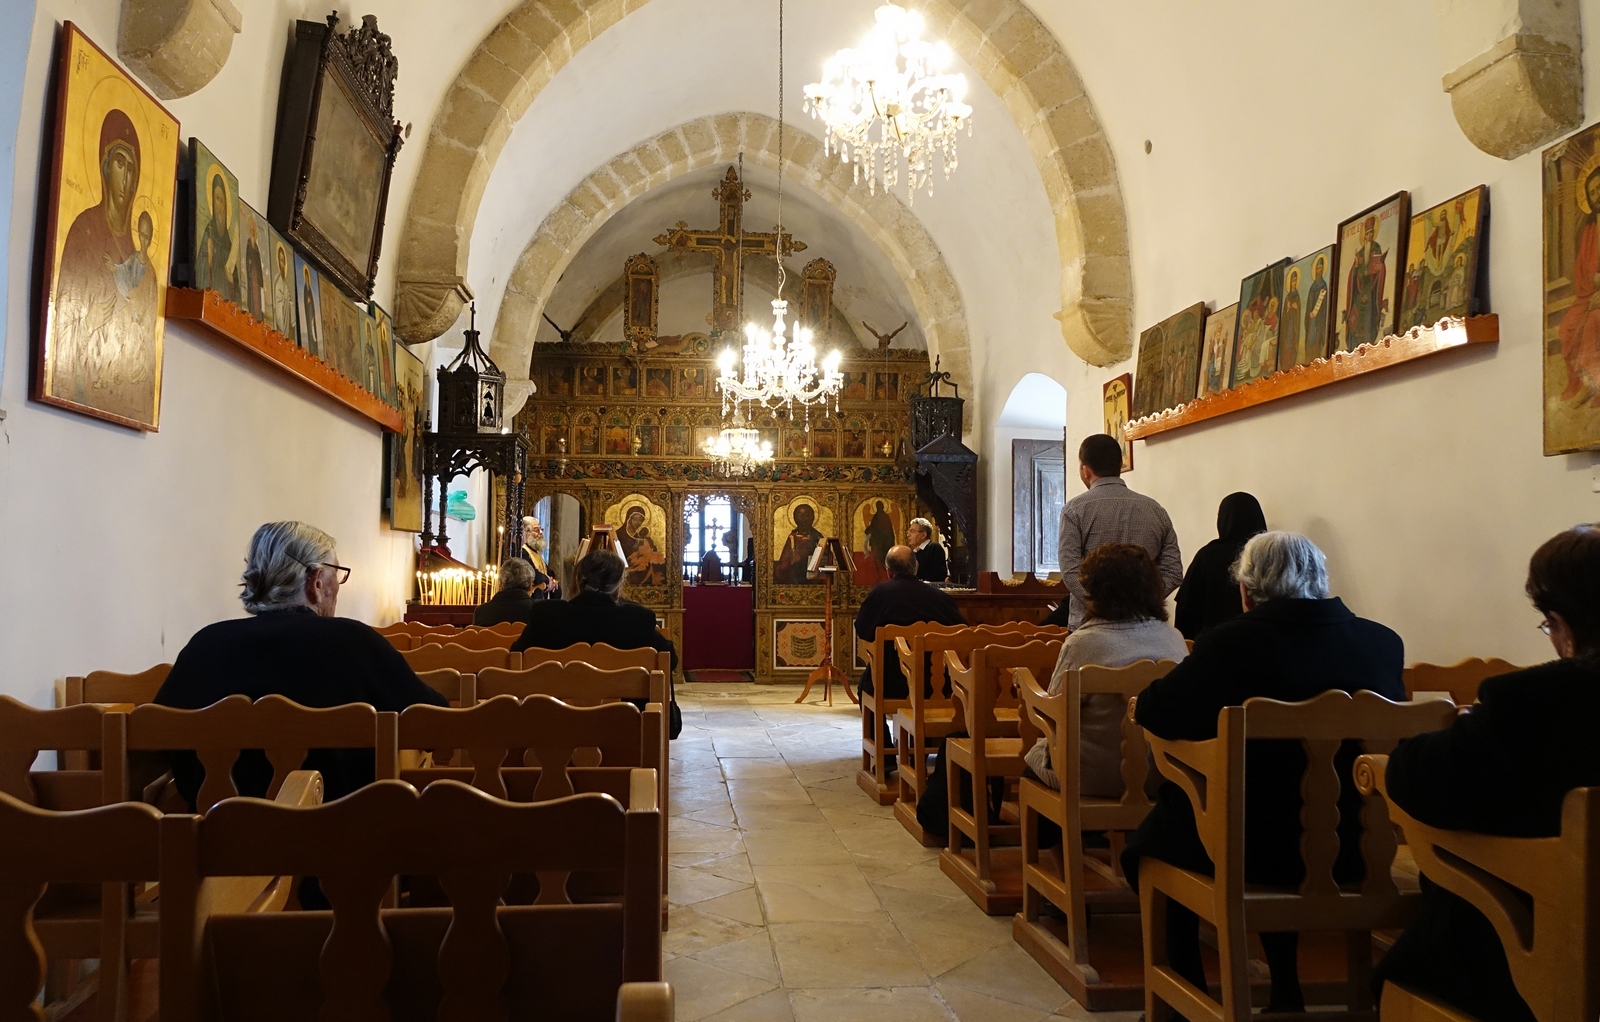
{"x": 749, "y": 292}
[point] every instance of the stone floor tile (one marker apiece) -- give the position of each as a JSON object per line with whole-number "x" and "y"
{"x": 717, "y": 816}
{"x": 751, "y": 956}
{"x": 766, "y": 791}
{"x": 735, "y": 766}
{"x": 691, "y": 931}
{"x": 815, "y": 955}
{"x": 1008, "y": 974}
{"x": 743, "y": 906}
{"x": 816, "y": 893}
{"x": 901, "y": 1004}
{"x": 795, "y": 843}
{"x": 757, "y": 815}
{"x": 701, "y": 989}
{"x": 772, "y": 1006}
{"x": 971, "y": 1006}
{"x": 688, "y": 885}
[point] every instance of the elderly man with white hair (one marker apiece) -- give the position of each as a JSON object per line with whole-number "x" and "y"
{"x": 292, "y": 645}
{"x": 533, "y": 550}
{"x": 1293, "y": 642}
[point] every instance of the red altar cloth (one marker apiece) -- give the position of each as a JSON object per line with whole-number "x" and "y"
{"x": 719, "y": 628}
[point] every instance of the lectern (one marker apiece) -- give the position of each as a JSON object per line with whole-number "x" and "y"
{"x": 828, "y": 561}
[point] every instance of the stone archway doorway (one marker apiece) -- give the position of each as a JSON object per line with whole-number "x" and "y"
{"x": 718, "y": 586}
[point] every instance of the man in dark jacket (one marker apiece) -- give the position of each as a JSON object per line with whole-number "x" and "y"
{"x": 598, "y": 613}
{"x": 1503, "y": 768}
{"x": 292, "y": 646}
{"x": 1292, "y": 643}
{"x": 932, "y": 565}
{"x": 902, "y": 599}
{"x": 515, "y": 600}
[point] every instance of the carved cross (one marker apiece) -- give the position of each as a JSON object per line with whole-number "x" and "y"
{"x": 724, "y": 243}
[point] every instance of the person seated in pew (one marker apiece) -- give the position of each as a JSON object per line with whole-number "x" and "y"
{"x": 292, "y": 645}
{"x": 1292, "y": 643}
{"x": 1503, "y": 768}
{"x": 1209, "y": 595}
{"x": 598, "y": 613}
{"x": 932, "y": 565}
{"x": 1127, "y": 623}
{"x": 515, "y": 600}
{"x": 901, "y": 599}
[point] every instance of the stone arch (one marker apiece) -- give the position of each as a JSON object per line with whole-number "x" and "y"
{"x": 1016, "y": 55}
{"x": 720, "y": 139}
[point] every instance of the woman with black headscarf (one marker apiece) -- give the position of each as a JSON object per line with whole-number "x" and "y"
{"x": 1209, "y": 595}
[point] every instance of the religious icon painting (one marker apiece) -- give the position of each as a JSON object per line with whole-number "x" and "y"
{"x": 1571, "y": 331}
{"x": 798, "y": 644}
{"x": 340, "y": 345}
{"x": 1444, "y": 259}
{"x": 658, "y": 383}
{"x": 280, "y": 273}
{"x": 882, "y": 444}
{"x": 855, "y": 387}
{"x": 824, "y": 443}
{"x": 553, "y": 435}
{"x": 619, "y": 438}
{"x": 405, "y": 447}
{"x": 308, "y": 307}
{"x": 797, "y": 528}
{"x": 876, "y": 525}
{"x": 1255, "y": 337}
{"x": 1371, "y": 256}
{"x": 216, "y": 254}
{"x": 563, "y": 380}
{"x": 588, "y": 439}
{"x": 591, "y": 381}
{"x": 855, "y": 445}
{"x": 1115, "y": 402}
{"x": 649, "y": 439}
{"x": 108, "y": 232}
{"x": 769, "y": 435}
{"x": 1307, "y": 310}
{"x": 624, "y": 381}
{"x": 691, "y": 384}
{"x": 255, "y": 274}
{"x": 642, "y": 538}
{"x": 383, "y": 338}
{"x": 1169, "y": 361}
{"x": 1148, "y": 369}
{"x": 886, "y": 387}
{"x": 371, "y": 366}
{"x": 796, "y": 443}
{"x": 1216, "y": 354}
{"x": 677, "y": 440}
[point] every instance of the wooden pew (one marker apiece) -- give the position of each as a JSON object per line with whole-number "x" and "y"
{"x": 1212, "y": 773}
{"x": 930, "y": 716}
{"x": 981, "y": 690}
{"x": 401, "y": 641}
{"x": 877, "y": 710}
{"x": 581, "y": 683}
{"x": 486, "y": 638}
{"x": 457, "y": 657}
{"x": 1075, "y": 880}
{"x": 117, "y": 691}
{"x": 1542, "y": 896}
{"x": 284, "y": 729}
{"x": 477, "y": 959}
{"x": 460, "y": 689}
{"x": 1461, "y": 680}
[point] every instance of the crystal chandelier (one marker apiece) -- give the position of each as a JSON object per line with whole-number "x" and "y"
{"x": 777, "y": 370}
{"x": 738, "y": 451}
{"x": 897, "y": 83}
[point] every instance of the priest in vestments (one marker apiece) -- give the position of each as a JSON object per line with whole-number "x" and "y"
{"x": 533, "y": 547}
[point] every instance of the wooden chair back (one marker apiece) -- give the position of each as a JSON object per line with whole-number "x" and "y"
{"x": 416, "y": 628}
{"x": 485, "y": 638}
{"x": 401, "y": 641}
{"x": 534, "y": 740}
{"x": 111, "y": 687}
{"x": 877, "y": 709}
{"x": 476, "y": 959}
{"x": 511, "y": 628}
{"x": 1461, "y": 680}
{"x": 25, "y": 732}
{"x": 109, "y": 846}
{"x": 601, "y": 655}
{"x": 574, "y": 682}
{"x": 461, "y": 658}
{"x": 1542, "y": 895}
{"x": 460, "y": 689}
{"x": 282, "y": 728}
{"x": 985, "y": 684}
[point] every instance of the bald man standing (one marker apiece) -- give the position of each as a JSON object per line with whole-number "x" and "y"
{"x": 902, "y": 599}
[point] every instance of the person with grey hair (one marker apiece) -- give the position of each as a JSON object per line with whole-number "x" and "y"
{"x": 598, "y": 613}
{"x": 292, "y": 645}
{"x": 932, "y": 565}
{"x": 514, "y": 602}
{"x": 1292, "y": 643}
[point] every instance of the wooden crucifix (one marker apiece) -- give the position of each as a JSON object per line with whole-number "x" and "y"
{"x": 724, "y": 243}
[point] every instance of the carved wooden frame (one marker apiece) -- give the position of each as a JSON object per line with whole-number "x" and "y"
{"x": 640, "y": 330}
{"x": 359, "y": 63}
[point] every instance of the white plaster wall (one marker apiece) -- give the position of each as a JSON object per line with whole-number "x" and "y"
{"x": 119, "y": 544}
{"x": 1269, "y": 124}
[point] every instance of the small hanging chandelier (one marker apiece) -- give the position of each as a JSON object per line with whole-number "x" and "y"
{"x": 738, "y": 451}
{"x": 777, "y": 370}
{"x": 899, "y": 83}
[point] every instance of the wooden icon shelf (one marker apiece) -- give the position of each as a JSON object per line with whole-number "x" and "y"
{"x": 1396, "y": 349}
{"x": 223, "y": 319}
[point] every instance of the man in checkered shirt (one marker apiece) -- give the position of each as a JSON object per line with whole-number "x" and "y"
{"x": 1112, "y": 513}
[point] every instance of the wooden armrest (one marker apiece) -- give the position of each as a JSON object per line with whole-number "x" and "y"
{"x": 152, "y": 793}
{"x": 1370, "y": 769}
{"x": 642, "y": 790}
{"x": 301, "y": 788}
{"x": 645, "y": 1002}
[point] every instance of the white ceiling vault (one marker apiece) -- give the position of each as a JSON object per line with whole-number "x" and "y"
{"x": 672, "y": 61}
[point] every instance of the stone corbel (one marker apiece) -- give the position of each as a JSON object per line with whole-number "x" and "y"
{"x": 1516, "y": 78}
{"x": 425, "y": 307}
{"x": 1096, "y": 330}
{"x": 177, "y": 46}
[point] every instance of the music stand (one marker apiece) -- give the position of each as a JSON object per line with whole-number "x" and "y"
{"x": 828, "y": 560}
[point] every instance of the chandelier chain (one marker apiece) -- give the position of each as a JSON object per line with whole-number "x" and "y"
{"x": 778, "y": 246}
